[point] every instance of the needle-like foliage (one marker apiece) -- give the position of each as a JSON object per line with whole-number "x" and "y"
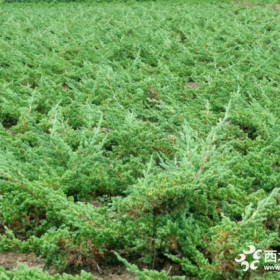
{"x": 142, "y": 133}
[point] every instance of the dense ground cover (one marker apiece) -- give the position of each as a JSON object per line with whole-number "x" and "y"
{"x": 142, "y": 133}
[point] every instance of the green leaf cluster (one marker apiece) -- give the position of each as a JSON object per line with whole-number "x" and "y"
{"x": 142, "y": 133}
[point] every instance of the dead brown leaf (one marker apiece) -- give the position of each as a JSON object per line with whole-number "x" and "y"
{"x": 172, "y": 138}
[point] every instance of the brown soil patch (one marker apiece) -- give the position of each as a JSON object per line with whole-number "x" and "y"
{"x": 9, "y": 261}
{"x": 192, "y": 85}
{"x": 277, "y": 7}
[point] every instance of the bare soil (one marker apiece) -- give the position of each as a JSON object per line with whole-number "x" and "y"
{"x": 9, "y": 261}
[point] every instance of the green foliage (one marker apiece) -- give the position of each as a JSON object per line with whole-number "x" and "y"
{"x": 148, "y": 274}
{"x": 166, "y": 117}
{"x": 25, "y": 273}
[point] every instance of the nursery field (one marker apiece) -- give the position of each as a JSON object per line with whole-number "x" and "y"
{"x": 140, "y": 136}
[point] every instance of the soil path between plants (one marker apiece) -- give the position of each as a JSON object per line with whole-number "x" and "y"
{"x": 9, "y": 261}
